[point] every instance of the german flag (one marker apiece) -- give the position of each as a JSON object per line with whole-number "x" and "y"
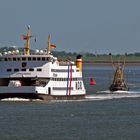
{"x": 53, "y": 46}
{"x": 23, "y": 37}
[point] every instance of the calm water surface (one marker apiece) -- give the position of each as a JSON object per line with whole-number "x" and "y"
{"x": 114, "y": 119}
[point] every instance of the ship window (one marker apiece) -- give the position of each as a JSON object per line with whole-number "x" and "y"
{"x": 9, "y": 59}
{"x": 38, "y": 58}
{"x": 18, "y": 58}
{"x": 14, "y": 59}
{"x": 34, "y": 58}
{"x": 23, "y": 58}
{"x": 8, "y": 70}
{"x": 23, "y": 69}
{"x": 31, "y": 69}
{"x": 29, "y": 58}
{"x": 43, "y": 58}
{"x": 39, "y": 69}
{"x": 16, "y": 69}
{"x": 5, "y": 59}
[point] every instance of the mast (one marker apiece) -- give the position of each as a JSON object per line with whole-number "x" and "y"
{"x": 124, "y": 61}
{"x": 28, "y": 36}
{"x": 49, "y": 45}
{"x": 111, "y": 58}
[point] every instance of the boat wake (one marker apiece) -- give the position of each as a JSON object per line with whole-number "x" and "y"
{"x": 100, "y": 95}
{"x": 106, "y": 95}
{"x": 19, "y": 99}
{"x": 119, "y": 92}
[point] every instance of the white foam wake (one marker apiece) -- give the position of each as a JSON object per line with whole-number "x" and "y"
{"x": 118, "y": 92}
{"x": 100, "y": 95}
{"x": 19, "y": 99}
{"x": 105, "y": 95}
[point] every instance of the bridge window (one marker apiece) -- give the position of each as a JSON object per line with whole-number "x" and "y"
{"x": 18, "y": 58}
{"x": 38, "y": 58}
{"x": 43, "y": 58}
{"x": 34, "y": 58}
{"x": 23, "y": 69}
{"x": 31, "y": 69}
{"x": 9, "y": 70}
{"x": 23, "y": 58}
{"x": 16, "y": 69}
{"x": 5, "y": 59}
{"x": 39, "y": 69}
{"x": 9, "y": 59}
{"x": 29, "y": 58}
{"x": 14, "y": 59}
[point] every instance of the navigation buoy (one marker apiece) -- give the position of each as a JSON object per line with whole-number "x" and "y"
{"x": 92, "y": 82}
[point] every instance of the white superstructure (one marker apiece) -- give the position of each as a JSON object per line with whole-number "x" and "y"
{"x": 39, "y": 75}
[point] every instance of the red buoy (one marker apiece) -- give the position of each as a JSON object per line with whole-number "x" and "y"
{"x": 92, "y": 82}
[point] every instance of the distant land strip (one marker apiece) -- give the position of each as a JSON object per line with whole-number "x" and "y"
{"x": 104, "y": 62}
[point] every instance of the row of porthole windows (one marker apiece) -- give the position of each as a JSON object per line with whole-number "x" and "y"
{"x": 16, "y": 70}
{"x": 26, "y": 59}
{"x": 65, "y": 79}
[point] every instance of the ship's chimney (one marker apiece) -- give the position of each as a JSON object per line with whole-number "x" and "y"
{"x": 79, "y": 62}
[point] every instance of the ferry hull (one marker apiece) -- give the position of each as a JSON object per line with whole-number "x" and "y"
{"x": 116, "y": 88}
{"x": 55, "y": 97}
{"x": 40, "y": 96}
{"x": 32, "y": 92}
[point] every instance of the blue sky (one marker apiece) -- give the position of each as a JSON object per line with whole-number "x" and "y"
{"x": 100, "y": 26}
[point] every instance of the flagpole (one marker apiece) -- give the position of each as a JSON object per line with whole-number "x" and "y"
{"x": 49, "y": 44}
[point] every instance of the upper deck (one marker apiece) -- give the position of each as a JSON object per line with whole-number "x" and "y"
{"x": 40, "y": 63}
{"x": 22, "y": 58}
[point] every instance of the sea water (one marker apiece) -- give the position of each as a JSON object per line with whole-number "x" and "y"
{"x": 101, "y": 116}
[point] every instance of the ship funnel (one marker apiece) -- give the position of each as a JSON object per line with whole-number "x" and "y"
{"x": 79, "y": 62}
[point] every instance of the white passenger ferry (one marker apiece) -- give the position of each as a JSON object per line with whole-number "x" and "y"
{"x": 39, "y": 75}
